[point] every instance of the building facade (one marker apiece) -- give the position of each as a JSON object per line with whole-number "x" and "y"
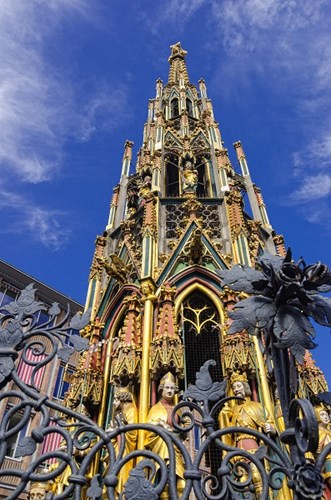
{"x": 52, "y": 379}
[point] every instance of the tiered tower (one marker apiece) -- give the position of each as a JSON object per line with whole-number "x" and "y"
{"x": 157, "y": 301}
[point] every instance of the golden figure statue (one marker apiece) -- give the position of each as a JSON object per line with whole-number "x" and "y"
{"x": 160, "y": 414}
{"x": 38, "y": 491}
{"x": 114, "y": 267}
{"x": 189, "y": 178}
{"x": 324, "y": 438}
{"x": 125, "y": 412}
{"x": 145, "y": 189}
{"x": 250, "y": 415}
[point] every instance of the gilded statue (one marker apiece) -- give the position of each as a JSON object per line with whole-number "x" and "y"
{"x": 114, "y": 267}
{"x": 160, "y": 414}
{"x": 324, "y": 438}
{"x": 145, "y": 189}
{"x": 249, "y": 415}
{"x": 189, "y": 177}
{"x": 38, "y": 491}
{"x": 125, "y": 412}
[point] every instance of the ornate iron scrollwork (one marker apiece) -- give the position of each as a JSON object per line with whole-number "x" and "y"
{"x": 241, "y": 473}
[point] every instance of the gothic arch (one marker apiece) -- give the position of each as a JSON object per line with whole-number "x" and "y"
{"x": 189, "y": 107}
{"x": 200, "y": 315}
{"x": 174, "y": 107}
{"x": 203, "y": 289}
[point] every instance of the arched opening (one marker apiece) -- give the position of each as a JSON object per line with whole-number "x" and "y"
{"x": 202, "y": 340}
{"x": 172, "y": 177}
{"x": 174, "y": 106}
{"x": 201, "y": 336}
{"x": 203, "y": 188}
{"x": 189, "y": 107}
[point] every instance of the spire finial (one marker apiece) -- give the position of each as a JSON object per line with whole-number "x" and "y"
{"x": 178, "y": 69}
{"x": 177, "y": 51}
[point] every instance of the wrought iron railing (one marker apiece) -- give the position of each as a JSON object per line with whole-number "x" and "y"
{"x": 290, "y": 463}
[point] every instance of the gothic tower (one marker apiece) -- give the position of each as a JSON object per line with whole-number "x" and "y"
{"x": 157, "y": 302}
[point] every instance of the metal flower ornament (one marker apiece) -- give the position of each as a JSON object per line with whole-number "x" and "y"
{"x": 283, "y": 298}
{"x": 284, "y": 294}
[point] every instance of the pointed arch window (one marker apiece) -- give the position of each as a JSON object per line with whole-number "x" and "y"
{"x": 189, "y": 107}
{"x": 203, "y": 189}
{"x": 201, "y": 336}
{"x": 172, "y": 179}
{"x": 202, "y": 340}
{"x": 174, "y": 106}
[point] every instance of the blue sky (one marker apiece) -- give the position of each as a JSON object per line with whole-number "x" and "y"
{"x": 75, "y": 79}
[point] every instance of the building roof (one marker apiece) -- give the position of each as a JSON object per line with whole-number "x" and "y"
{"x": 19, "y": 279}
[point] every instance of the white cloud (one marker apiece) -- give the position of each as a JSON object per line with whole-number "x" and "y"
{"x": 312, "y": 171}
{"x": 102, "y": 111}
{"x": 312, "y": 187}
{"x": 40, "y": 107}
{"x": 319, "y": 214}
{"x": 43, "y": 225}
{"x": 182, "y": 10}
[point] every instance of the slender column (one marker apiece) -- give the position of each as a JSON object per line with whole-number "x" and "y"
{"x": 106, "y": 370}
{"x": 263, "y": 377}
{"x": 113, "y": 208}
{"x": 147, "y": 288}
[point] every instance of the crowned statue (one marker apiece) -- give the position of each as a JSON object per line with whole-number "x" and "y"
{"x": 247, "y": 414}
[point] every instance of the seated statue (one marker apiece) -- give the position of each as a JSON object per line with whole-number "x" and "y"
{"x": 160, "y": 414}
{"x": 249, "y": 415}
{"x": 125, "y": 412}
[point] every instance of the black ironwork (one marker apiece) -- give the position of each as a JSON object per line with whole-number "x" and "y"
{"x": 276, "y": 462}
{"x": 283, "y": 297}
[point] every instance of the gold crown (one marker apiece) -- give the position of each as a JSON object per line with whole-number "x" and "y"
{"x": 238, "y": 377}
{"x": 168, "y": 377}
{"x": 119, "y": 388}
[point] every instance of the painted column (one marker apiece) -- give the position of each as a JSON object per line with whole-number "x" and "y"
{"x": 147, "y": 288}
